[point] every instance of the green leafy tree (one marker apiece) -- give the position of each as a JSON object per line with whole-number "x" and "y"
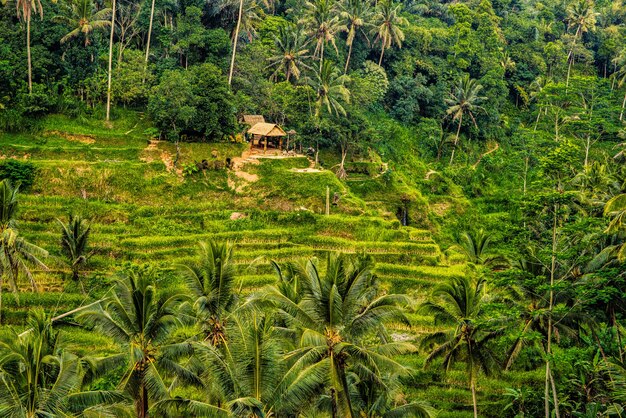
{"x": 476, "y": 247}
{"x": 620, "y": 76}
{"x": 464, "y": 100}
{"x": 16, "y": 253}
{"x": 330, "y": 88}
{"x": 84, "y": 18}
{"x": 322, "y": 22}
{"x": 211, "y": 282}
{"x": 290, "y": 52}
{"x": 40, "y": 379}
{"x": 357, "y": 14}
{"x": 25, "y": 10}
{"x": 460, "y": 305}
{"x": 582, "y": 18}
{"x": 75, "y": 242}
{"x": 337, "y": 316}
{"x": 388, "y": 25}
{"x": 142, "y": 321}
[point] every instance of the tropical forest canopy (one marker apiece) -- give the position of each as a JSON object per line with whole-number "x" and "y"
{"x": 442, "y": 234}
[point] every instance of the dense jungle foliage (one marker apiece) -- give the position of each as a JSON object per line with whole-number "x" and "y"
{"x": 471, "y": 262}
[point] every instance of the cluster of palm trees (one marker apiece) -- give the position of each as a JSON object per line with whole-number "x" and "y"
{"x": 321, "y": 23}
{"x": 316, "y": 341}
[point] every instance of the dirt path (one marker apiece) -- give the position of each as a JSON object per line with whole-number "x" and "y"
{"x": 152, "y": 153}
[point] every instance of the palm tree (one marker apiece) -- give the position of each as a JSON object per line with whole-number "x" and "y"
{"x": 39, "y": 379}
{"x": 476, "y": 247}
{"x": 459, "y": 304}
{"x": 74, "y": 242}
{"x": 321, "y": 20}
{"x": 581, "y": 16}
{"x": 464, "y": 100}
{"x": 247, "y": 18}
{"x": 357, "y": 13}
{"x": 25, "y": 9}
{"x": 84, "y": 17}
{"x": 330, "y": 88}
{"x": 142, "y": 320}
{"x": 145, "y": 67}
{"x": 388, "y": 26}
{"x": 211, "y": 282}
{"x": 340, "y": 326}
{"x": 110, "y": 70}
{"x": 16, "y": 254}
{"x": 290, "y": 52}
{"x": 620, "y": 76}
{"x": 241, "y": 374}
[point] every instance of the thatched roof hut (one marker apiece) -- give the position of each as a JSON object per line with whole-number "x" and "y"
{"x": 266, "y": 129}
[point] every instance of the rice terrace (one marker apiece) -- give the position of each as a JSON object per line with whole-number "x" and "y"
{"x": 312, "y": 208}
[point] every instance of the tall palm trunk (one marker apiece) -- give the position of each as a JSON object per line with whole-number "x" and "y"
{"x": 322, "y": 55}
{"x": 549, "y": 381}
{"x": 570, "y": 57}
{"x": 232, "y": 59}
{"x": 145, "y": 68}
{"x": 108, "y": 116}
{"x": 456, "y": 139}
{"x": 621, "y": 115}
{"x": 382, "y": 53}
{"x": 348, "y": 59}
{"x": 30, "y": 65}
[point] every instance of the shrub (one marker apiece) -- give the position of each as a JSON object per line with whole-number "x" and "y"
{"x": 18, "y": 172}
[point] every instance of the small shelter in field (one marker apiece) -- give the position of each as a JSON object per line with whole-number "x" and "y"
{"x": 263, "y": 131}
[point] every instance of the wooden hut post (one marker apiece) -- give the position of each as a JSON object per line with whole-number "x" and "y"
{"x": 265, "y": 146}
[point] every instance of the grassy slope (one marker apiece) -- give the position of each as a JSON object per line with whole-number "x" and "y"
{"x": 143, "y": 213}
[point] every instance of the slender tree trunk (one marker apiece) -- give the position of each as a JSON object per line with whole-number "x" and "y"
{"x": 549, "y": 380}
{"x": 537, "y": 120}
{"x": 232, "y": 59}
{"x": 145, "y": 66}
{"x": 621, "y": 115}
{"x": 142, "y": 406}
{"x": 345, "y": 71}
{"x": 382, "y": 53}
{"x": 1, "y": 284}
{"x": 456, "y": 139}
{"x": 322, "y": 55}
{"x": 587, "y": 148}
{"x": 30, "y": 65}
{"x": 108, "y": 115}
{"x": 474, "y": 402}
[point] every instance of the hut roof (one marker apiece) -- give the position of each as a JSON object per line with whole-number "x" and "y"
{"x": 267, "y": 129}
{"x": 253, "y": 119}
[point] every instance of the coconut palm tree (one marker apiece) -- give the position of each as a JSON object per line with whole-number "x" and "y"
{"x": 459, "y": 304}
{"x": 290, "y": 52}
{"x": 464, "y": 100}
{"x": 620, "y": 76}
{"x": 476, "y": 247}
{"x": 357, "y": 13}
{"x": 322, "y": 21}
{"x": 39, "y": 379}
{"x": 330, "y": 88}
{"x": 340, "y": 328}
{"x": 25, "y": 9}
{"x": 110, "y": 69}
{"x": 74, "y": 242}
{"x": 211, "y": 282}
{"x": 241, "y": 375}
{"x": 142, "y": 321}
{"x": 582, "y": 18}
{"x": 16, "y": 254}
{"x": 84, "y": 17}
{"x": 388, "y": 24}
{"x": 247, "y": 20}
